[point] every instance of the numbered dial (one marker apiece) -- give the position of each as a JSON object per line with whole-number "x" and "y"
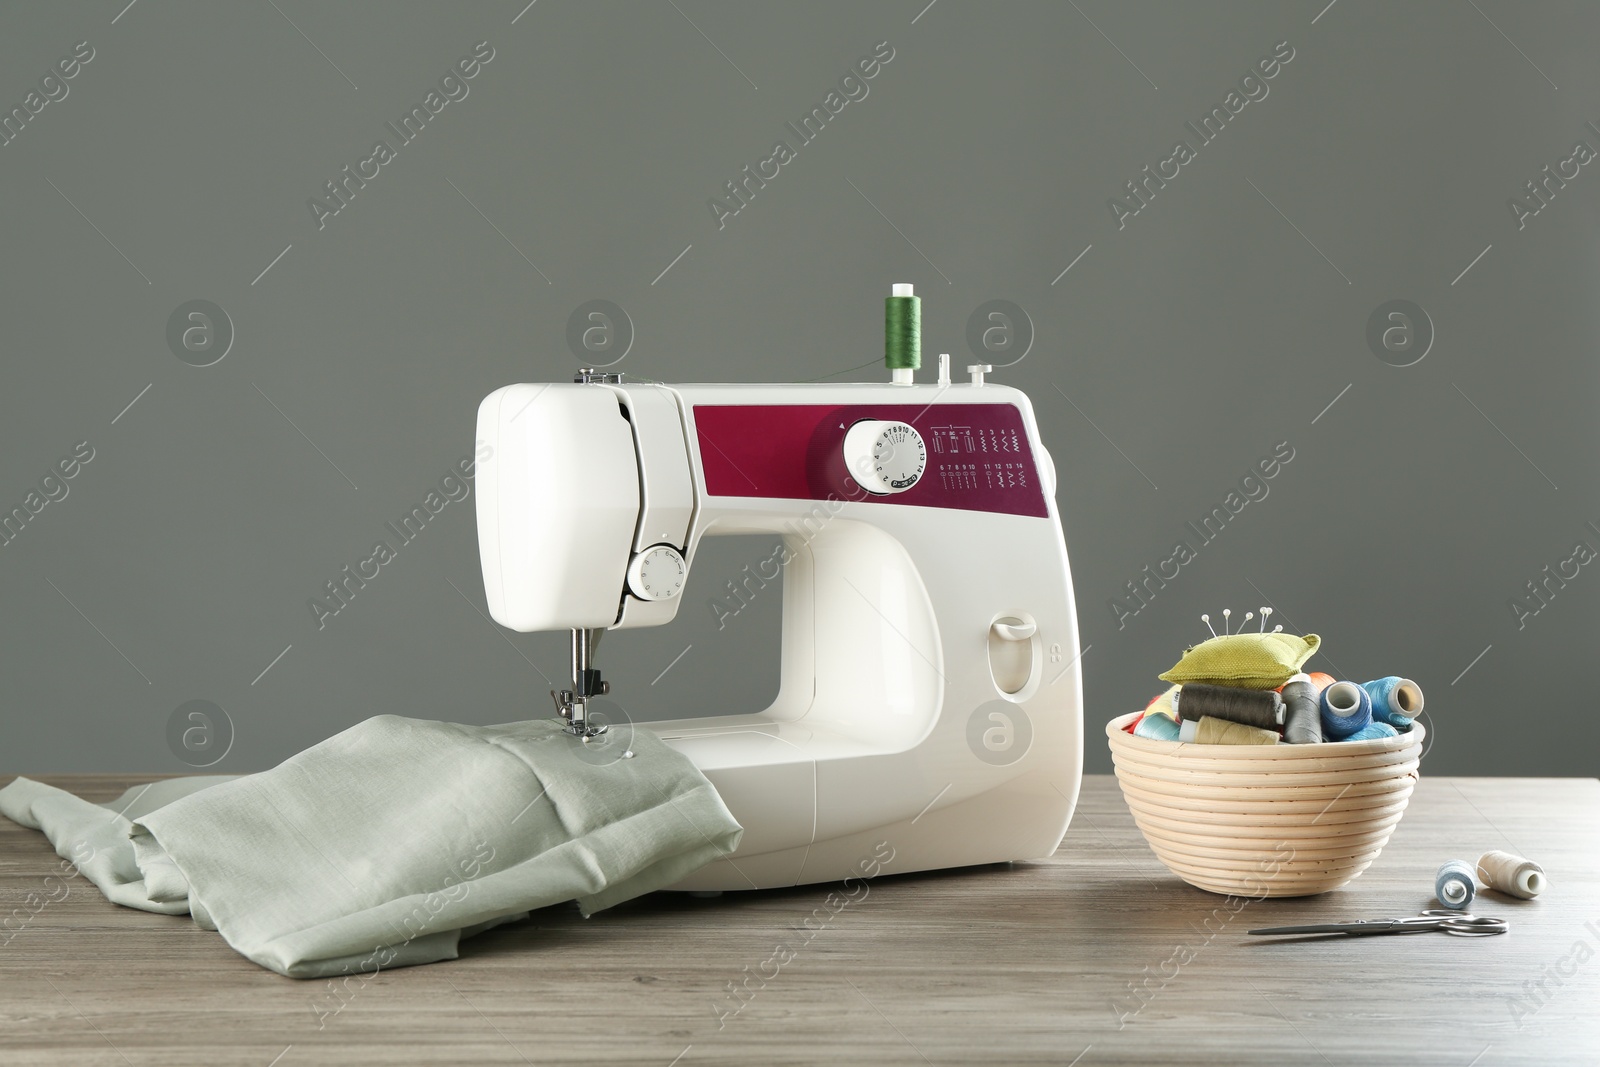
{"x": 885, "y": 457}
{"x": 657, "y": 573}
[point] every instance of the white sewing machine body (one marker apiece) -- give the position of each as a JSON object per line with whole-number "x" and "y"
{"x": 929, "y": 693}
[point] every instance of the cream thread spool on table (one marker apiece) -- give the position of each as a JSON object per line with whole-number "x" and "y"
{"x": 1511, "y": 874}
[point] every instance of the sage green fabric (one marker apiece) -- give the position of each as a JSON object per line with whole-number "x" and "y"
{"x": 386, "y": 844}
{"x": 1246, "y": 661}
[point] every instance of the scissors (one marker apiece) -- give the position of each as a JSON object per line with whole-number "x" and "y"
{"x": 1455, "y": 923}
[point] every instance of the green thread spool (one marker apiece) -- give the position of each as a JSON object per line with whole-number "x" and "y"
{"x": 902, "y": 330}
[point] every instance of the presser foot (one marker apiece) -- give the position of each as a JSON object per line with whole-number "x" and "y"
{"x": 574, "y": 717}
{"x": 586, "y": 732}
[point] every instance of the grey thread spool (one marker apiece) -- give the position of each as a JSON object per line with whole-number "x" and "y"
{"x": 1302, "y": 719}
{"x": 1511, "y": 874}
{"x": 1261, "y": 708}
{"x": 1454, "y": 885}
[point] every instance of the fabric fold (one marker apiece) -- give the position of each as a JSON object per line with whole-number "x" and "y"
{"x": 385, "y": 844}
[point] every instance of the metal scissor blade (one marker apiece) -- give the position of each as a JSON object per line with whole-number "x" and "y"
{"x": 1354, "y": 929}
{"x": 1451, "y": 922}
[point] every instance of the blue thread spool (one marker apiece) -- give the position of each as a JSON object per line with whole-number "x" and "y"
{"x": 1395, "y": 700}
{"x": 1454, "y": 885}
{"x": 1346, "y": 709}
{"x": 1372, "y": 731}
{"x": 1158, "y": 727}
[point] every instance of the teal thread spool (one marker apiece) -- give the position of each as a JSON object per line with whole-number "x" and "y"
{"x": 902, "y": 332}
{"x": 1157, "y": 727}
{"x": 1454, "y": 885}
{"x": 1372, "y": 731}
{"x": 1395, "y": 700}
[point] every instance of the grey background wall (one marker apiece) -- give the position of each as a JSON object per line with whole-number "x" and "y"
{"x": 1185, "y": 342}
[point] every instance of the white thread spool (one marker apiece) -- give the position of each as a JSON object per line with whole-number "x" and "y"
{"x": 1511, "y": 874}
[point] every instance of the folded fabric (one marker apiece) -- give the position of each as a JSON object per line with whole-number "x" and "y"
{"x": 386, "y": 844}
{"x": 1165, "y": 704}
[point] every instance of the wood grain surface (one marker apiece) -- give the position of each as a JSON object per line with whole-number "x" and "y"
{"x": 1029, "y": 963}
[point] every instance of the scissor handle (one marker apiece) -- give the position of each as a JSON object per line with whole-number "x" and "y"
{"x": 1461, "y": 924}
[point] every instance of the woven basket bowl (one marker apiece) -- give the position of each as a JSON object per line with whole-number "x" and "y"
{"x": 1266, "y": 820}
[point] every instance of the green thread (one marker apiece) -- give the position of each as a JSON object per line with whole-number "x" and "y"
{"x": 902, "y": 332}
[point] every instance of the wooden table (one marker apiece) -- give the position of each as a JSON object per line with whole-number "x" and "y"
{"x": 1024, "y": 963}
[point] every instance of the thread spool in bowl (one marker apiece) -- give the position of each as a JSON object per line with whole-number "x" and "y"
{"x": 1346, "y": 710}
{"x": 1261, "y": 708}
{"x": 1302, "y": 720}
{"x": 1157, "y": 726}
{"x": 1210, "y": 731}
{"x": 1395, "y": 700}
{"x": 1266, "y": 820}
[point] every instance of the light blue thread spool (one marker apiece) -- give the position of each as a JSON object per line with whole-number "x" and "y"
{"x": 1372, "y": 731}
{"x": 1395, "y": 700}
{"x": 1454, "y": 885}
{"x": 1158, "y": 727}
{"x": 1346, "y": 709}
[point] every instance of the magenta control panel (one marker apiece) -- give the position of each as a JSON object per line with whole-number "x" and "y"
{"x": 978, "y": 456}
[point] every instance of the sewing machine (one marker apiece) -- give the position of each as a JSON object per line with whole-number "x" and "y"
{"x": 929, "y": 695}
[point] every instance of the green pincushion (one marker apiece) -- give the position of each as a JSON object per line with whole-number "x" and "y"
{"x": 1247, "y": 661}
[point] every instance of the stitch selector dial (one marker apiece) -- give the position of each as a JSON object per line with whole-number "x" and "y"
{"x": 884, "y": 457}
{"x": 657, "y": 573}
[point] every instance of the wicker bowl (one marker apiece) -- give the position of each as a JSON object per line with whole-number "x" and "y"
{"x": 1266, "y": 820}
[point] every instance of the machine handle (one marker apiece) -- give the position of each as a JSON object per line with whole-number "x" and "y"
{"x": 1014, "y": 629}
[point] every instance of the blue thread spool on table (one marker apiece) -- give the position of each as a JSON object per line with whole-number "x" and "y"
{"x": 1454, "y": 885}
